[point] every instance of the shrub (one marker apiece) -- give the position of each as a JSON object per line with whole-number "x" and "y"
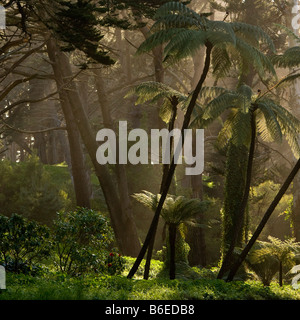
{"x": 115, "y": 263}
{"x": 81, "y": 239}
{"x": 22, "y": 243}
{"x": 25, "y": 188}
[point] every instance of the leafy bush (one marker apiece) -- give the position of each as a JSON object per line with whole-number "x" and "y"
{"x": 115, "y": 263}
{"x": 22, "y": 242}
{"x": 81, "y": 238}
{"x": 25, "y": 188}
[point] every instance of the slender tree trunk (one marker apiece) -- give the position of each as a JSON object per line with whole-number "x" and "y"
{"x": 241, "y": 215}
{"x": 163, "y": 181}
{"x": 122, "y": 222}
{"x": 172, "y": 243}
{"x": 280, "y": 273}
{"x": 153, "y": 227}
{"x": 263, "y": 222}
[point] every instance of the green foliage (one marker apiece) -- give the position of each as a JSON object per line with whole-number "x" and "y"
{"x": 81, "y": 239}
{"x": 76, "y": 24}
{"x": 266, "y": 257}
{"x": 152, "y": 92}
{"x": 25, "y": 188}
{"x": 182, "y": 31}
{"x": 99, "y": 287}
{"x": 115, "y": 263}
{"x": 23, "y": 243}
{"x": 273, "y": 121}
{"x": 280, "y": 222}
{"x": 235, "y": 171}
{"x": 176, "y": 209}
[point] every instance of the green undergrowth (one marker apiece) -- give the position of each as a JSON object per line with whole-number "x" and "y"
{"x": 195, "y": 285}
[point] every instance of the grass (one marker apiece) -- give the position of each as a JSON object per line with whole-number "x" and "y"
{"x": 195, "y": 285}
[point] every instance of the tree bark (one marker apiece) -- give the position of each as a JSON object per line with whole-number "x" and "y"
{"x": 78, "y": 170}
{"x": 121, "y": 220}
{"x": 172, "y": 243}
{"x": 263, "y": 222}
{"x": 241, "y": 215}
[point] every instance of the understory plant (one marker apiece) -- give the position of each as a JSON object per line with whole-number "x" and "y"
{"x": 81, "y": 239}
{"x": 23, "y": 243}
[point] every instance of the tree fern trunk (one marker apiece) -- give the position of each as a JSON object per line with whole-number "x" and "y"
{"x": 280, "y": 273}
{"x": 172, "y": 241}
{"x": 153, "y": 227}
{"x": 241, "y": 214}
{"x": 263, "y": 222}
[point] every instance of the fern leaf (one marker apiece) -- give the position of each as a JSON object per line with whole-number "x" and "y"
{"x": 271, "y": 122}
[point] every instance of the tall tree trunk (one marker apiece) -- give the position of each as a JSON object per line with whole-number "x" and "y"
{"x": 120, "y": 169}
{"x": 78, "y": 169}
{"x": 122, "y": 221}
{"x": 153, "y": 227}
{"x": 241, "y": 258}
{"x": 240, "y": 218}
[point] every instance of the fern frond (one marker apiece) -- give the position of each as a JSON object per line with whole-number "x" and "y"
{"x": 271, "y": 122}
{"x": 262, "y": 128}
{"x": 185, "y": 43}
{"x": 241, "y": 128}
{"x": 221, "y": 62}
{"x": 290, "y": 58}
{"x": 156, "y": 39}
{"x": 218, "y": 105}
{"x": 225, "y": 133}
{"x": 177, "y": 15}
{"x": 248, "y": 31}
{"x": 260, "y": 61}
{"x": 287, "y": 80}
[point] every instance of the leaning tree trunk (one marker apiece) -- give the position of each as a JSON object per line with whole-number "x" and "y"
{"x": 121, "y": 220}
{"x": 267, "y": 215}
{"x": 174, "y": 102}
{"x": 153, "y": 227}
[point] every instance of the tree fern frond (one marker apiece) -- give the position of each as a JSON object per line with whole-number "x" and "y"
{"x": 290, "y": 58}
{"x": 212, "y": 92}
{"x": 241, "y": 128}
{"x": 288, "y": 31}
{"x": 249, "y": 31}
{"x": 262, "y": 128}
{"x": 286, "y": 80}
{"x": 185, "y": 43}
{"x": 156, "y": 39}
{"x": 218, "y": 105}
{"x": 166, "y": 15}
{"x": 260, "y": 61}
{"x": 221, "y": 62}
{"x": 225, "y": 133}
{"x": 175, "y": 209}
{"x": 271, "y": 122}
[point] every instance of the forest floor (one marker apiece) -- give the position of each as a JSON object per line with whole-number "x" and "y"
{"x": 194, "y": 285}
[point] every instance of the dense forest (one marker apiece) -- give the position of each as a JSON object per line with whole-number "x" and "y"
{"x": 72, "y": 72}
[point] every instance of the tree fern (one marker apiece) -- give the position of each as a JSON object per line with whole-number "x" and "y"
{"x": 176, "y": 209}
{"x": 182, "y": 31}
{"x": 272, "y": 120}
{"x": 152, "y": 92}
